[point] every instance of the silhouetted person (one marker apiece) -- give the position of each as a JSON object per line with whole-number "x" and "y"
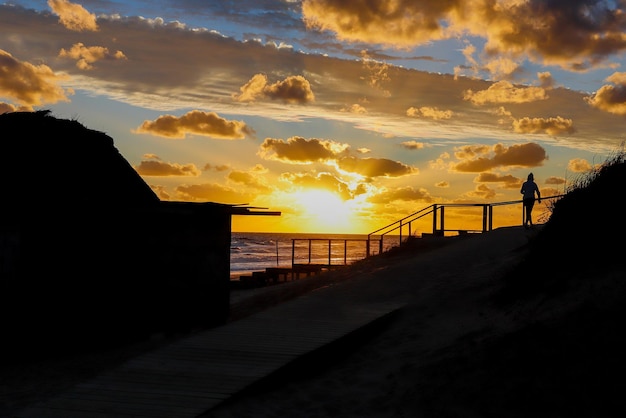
{"x": 529, "y": 188}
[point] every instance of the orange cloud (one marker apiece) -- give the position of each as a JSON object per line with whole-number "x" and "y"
{"x": 524, "y": 155}
{"x": 555, "y": 180}
{"x": 579, "y": 165}
{"x": 378, "y": 73}
{"x": 551, "y": 126}
{"x": 163, "y": 169}
{"x": 355, "y": 108}
{"x": 161, "y": 191}
{"x": 247, "y": 179}
{"x": 298, "y": 150}
{"x": 293, "y": 89}
{"x": 402, "y": 23}
{"x": 73, "y": 16}
{"x": 505, "y": 92}
{"x": 508, "y": 181}
{"x": 30, "y": 85}
{"x": 323, "y": 181}
{"x": 546, "y": 80}
{"x": 502, "y": 67}
{"x": 8, "y": 107}
{"x": 196, "y": 122}
{"x": 471, "y": 151}
{"x": 575, "y": 35}
{"x": 407, "y": 194}
{"x": 375, "y": 167}
{"x": 482, "y": 191}
{"x": 86, "y": 56}
{"x": 208, "y": 167}
{"x": 612, "y": 97}
{"x": 504, "y": 115}
{"x": 429, "y": 113}
{"x": 210, "y": 192}
{"x": 413, "y": 145}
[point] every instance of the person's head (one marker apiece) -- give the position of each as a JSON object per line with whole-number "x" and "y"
{"x": 531, "y": 177}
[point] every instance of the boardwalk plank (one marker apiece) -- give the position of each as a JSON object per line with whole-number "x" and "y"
{"x": 195, "y": 374}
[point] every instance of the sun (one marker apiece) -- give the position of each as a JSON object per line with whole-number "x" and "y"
{"x": 325, "y": 209}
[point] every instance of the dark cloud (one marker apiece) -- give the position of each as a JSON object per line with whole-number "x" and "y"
{"x": 576, "y": 34}
{"x": 406, "y": 194}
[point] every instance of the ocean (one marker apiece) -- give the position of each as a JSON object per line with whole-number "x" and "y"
{"x": 256, "y": 251}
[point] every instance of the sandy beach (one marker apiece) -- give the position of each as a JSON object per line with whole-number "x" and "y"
{"x": 451, "y": 352}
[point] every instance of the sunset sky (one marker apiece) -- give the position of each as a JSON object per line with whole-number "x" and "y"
{"x": 344, "y": 115}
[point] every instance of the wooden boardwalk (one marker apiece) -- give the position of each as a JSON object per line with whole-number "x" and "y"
{"x": 190, "y": 376}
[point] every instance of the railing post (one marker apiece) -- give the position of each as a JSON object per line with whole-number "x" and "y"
{"x": 400, "y": 234}
{"x": 441, "y": 221}
{"x": 434, "y": 219}
{"x": 367, "y": 246}
{"x": 310, "y": 250}
{"x": 380, "y": 245}
{"x": 293, "y": 252}
{"x": 490, "y": 217}
{"x": 329, "y": 251}
{"x": 484, "y": 218}
{"x": 345, "y": 251}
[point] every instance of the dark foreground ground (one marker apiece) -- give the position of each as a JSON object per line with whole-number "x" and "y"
{"x": 464, "y": 346}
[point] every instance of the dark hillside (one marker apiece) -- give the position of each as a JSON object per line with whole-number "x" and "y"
{"x": 569, "y": 295}
{"x": 590, "y": 218}
{"x": 584, "y": 237}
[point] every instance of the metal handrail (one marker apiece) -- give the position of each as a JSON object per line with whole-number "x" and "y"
{"x": 330, "y": 246}
{"x": 437, "y": 209}
{"x": 434, "y": 209}
{"x": 398, "y": 225}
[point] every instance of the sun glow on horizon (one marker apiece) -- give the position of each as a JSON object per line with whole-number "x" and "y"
{"x": 325, "y": 210}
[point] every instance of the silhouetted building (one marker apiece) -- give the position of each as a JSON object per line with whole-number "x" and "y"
{"x": 89, "y": 253}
